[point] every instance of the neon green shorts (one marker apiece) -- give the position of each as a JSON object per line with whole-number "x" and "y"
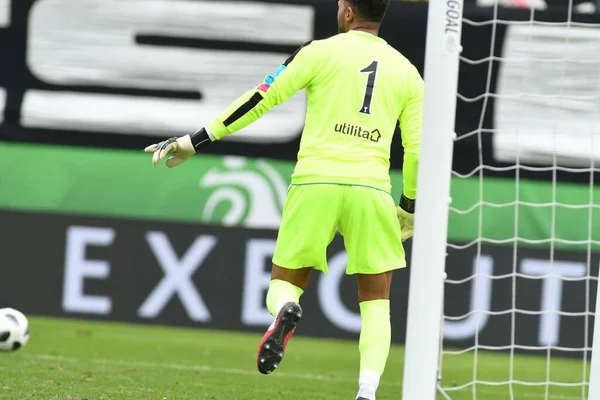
{"x": 366, "y": 218}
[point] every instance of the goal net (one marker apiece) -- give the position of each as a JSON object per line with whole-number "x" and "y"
{"x": 523, "y": 244}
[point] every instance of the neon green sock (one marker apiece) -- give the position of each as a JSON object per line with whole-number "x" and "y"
{"x": 375, "y": 335}
{"x": 281, "y": 292}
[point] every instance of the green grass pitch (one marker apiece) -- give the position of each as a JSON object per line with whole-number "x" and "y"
{"x": 74, "y": 359}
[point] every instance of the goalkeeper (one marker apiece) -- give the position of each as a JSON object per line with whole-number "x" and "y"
{"x": 358, "y": 88}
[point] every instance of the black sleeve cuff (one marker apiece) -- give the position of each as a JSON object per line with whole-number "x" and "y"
{"x": 200, "y": 139}
{"x": 407, "y": 204}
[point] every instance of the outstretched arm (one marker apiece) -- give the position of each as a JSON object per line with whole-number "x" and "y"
{"x": 293, "y": 75}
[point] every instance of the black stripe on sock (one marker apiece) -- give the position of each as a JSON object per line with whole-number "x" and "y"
{"x": 244, "y": 109}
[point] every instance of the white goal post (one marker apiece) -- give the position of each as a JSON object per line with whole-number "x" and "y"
{"x": 567, "y": 57}
{"x": 424, "y": 321}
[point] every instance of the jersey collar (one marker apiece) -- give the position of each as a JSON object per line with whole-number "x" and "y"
{"x": 366, "y": 34}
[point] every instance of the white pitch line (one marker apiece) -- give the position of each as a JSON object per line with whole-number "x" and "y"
{"x": 186, "y": 367}
{"x": 235, "y": 371}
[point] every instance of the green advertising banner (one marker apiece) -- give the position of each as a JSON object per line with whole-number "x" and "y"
{"x": 237, "y": 191}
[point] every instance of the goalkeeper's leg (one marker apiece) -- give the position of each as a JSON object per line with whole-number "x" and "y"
{"x": 307, "y": 227}
{"x": 283, "y": 302}
{"x": 373, "y": 240}
{"x": 375, "y": 333}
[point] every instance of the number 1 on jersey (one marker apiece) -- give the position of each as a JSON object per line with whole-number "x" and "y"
{"x": 372, "y": 71}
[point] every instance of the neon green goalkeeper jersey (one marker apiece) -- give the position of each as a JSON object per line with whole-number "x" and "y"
{"x": 358, "y": 88}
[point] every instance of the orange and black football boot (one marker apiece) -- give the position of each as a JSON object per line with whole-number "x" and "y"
{"x": 273, "y": 344}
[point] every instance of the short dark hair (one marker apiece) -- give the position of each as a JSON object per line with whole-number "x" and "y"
{"x": 370, "y": 10}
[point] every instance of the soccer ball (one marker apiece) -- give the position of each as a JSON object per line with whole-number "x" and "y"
{"x": 14, "y": 329}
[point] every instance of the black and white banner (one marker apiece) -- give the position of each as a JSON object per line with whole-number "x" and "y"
{"x": 217, "y": 277}
{"x": 112, "y": 74}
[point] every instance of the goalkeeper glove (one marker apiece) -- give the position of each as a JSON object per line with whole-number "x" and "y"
{"x": 406, "y": 216}
{"x": 183, "y": 148}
